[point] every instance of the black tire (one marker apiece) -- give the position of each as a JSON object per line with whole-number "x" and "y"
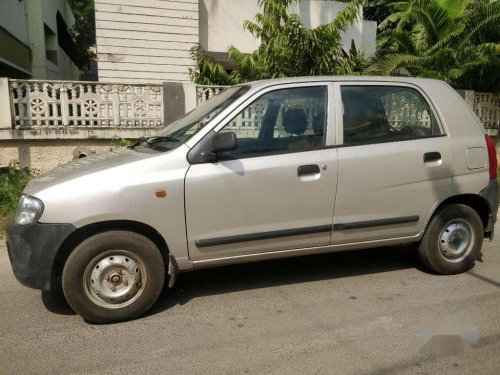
{"x": 430, "y": 250}
{"x": 95, "y": 248}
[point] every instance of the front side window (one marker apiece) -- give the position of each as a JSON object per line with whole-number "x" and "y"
{"x": 375, "y": 114}
{"x": 281, "y": 121}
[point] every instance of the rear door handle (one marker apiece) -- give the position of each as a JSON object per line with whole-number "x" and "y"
{"x": 429, "y": 157}
{"x": 304, "y": 170}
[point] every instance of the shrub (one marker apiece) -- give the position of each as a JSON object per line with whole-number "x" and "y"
{"x": 120, "y": 142}
{"x": 13, "y": 179}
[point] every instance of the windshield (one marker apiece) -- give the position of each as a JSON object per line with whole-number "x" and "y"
{"x": 180, "y": 131}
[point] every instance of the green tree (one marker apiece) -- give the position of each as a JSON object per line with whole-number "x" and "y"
{"x": 83, "y": 31}
{"x": 381, "y": 10}
{"x": 457, "y": 41}
{"x": 287, "y": 48}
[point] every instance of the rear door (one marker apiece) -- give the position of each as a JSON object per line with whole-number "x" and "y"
{"x": 395, "y": 162}
{"x": 274, "y": 192}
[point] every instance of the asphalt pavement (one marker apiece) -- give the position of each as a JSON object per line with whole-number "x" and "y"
{"x": 375, "y": 311}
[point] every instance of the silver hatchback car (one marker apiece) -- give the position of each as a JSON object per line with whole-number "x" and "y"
{"x": 264, "y": 170}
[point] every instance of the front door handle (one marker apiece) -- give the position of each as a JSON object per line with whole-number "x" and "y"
{"x": 429, "y": 157}
{"x": 304, "y": 170}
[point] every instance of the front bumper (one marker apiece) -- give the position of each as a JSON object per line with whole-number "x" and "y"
{"x": 32, "y": 250}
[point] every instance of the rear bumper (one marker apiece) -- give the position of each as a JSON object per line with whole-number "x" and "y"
{"x": 32, "y": 250}
{"x": 490, "y": 195}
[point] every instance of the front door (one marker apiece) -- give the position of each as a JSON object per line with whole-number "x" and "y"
{"x": 395, "y": 162}
{"x": 275, "y": 191}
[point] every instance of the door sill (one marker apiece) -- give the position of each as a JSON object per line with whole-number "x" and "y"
{"x": 247, "y": 258}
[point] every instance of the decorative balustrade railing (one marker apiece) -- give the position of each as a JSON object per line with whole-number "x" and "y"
{"x": 487, "y": 108}
{"x": 203, "y": 93}
{"x": 56, "y": 104}
{"x": 485, "y": 105}
{"x": 60, "y": 104}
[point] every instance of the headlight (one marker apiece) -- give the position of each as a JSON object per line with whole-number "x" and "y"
{"x": 29, "y": 210}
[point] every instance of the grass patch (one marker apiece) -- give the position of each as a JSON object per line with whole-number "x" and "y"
{"x": 13, "y": 179}
{"x": 120, "y": 142}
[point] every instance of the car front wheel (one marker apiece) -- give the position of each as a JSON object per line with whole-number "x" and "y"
{"x": 113, "y": 276}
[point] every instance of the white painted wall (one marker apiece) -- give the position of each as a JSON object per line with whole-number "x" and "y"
{"x": 149, "y": 41}
{"x": 145, "y": 41}
{"x": 221, "y": 24}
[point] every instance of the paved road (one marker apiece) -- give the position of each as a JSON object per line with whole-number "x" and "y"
{"x": 359, "y": 312}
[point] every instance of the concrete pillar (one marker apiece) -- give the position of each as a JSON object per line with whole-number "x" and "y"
{"x": 470, "y": 98}
{"x": 190, "y": 96}
{"x": 37, "y": 38}
{"x": 178, "y": 99}
{"x": 5, "y": 107}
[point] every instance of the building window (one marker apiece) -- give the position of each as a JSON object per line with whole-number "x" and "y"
{"x": 50, "y": 45}
{"x": 64, "y": 38}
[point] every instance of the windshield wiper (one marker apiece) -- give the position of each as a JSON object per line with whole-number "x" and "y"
{"x": 153, "y": 139}
{"x": 160, "y": 138}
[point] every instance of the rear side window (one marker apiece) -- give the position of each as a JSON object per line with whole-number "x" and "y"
{"x": 374, "y": 114}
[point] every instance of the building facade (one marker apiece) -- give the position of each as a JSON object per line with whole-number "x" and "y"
{"x": 35, "y": 41}
{"x": 148, "y": 41}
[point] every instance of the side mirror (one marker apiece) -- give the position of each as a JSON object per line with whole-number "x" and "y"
{"x": 220, "y": 142}
{"x": 224, "y": 142}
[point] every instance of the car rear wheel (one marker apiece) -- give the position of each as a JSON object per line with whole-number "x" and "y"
{"x": 113, "y": 276}
{"x": 452, "y": 241}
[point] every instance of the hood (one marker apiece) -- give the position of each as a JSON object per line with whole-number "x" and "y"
{"x": 81, "y": 167}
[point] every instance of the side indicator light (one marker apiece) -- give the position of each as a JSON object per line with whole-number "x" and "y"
{"x": 161, "y": 193}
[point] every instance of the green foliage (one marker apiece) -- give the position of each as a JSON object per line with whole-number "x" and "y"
{"x": 83, "y": 31}
{"x": 457, "y": 41}
{"x": 287, "y": 48}
{"x": 13, "y": 179}
{"x": 120, "y": 142}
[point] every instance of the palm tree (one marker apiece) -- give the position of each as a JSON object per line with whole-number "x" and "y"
{"x": 457, "y": 41}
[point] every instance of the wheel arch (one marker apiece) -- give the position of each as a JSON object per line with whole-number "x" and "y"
{"x": 474, "y": 201}
{"x": 82, "y": 233}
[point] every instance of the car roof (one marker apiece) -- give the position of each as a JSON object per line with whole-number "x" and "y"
{"x": 388, "y": 79}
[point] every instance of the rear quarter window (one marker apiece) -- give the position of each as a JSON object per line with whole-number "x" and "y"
{"x": 373, "y": 114}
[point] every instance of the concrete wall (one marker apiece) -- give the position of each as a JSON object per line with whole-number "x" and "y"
{"x": 221, "y": 24}
{"x": 44, "y": 155}
{"x": 27, "y": 21}
{"x": 45, "y": 147}
{"x": 145, "y": 41}
{"x": 13, "y": 19}
{"x": 14, "y": 39}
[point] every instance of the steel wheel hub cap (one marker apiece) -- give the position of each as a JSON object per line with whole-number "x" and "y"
{"x": 114, "y": 279}
{"x": 456, "y": 240}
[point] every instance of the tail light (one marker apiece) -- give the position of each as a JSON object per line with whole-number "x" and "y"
{"x": 492, "y": 154}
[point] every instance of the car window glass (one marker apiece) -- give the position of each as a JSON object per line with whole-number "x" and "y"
{"x": 281, "y": 121}
{"x": 385, "y": 113}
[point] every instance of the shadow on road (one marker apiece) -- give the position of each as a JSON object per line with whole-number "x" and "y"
{"x": 265, "y": 274}
{"x": 484, "y": 278}
{"x": 55, "y": 302}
